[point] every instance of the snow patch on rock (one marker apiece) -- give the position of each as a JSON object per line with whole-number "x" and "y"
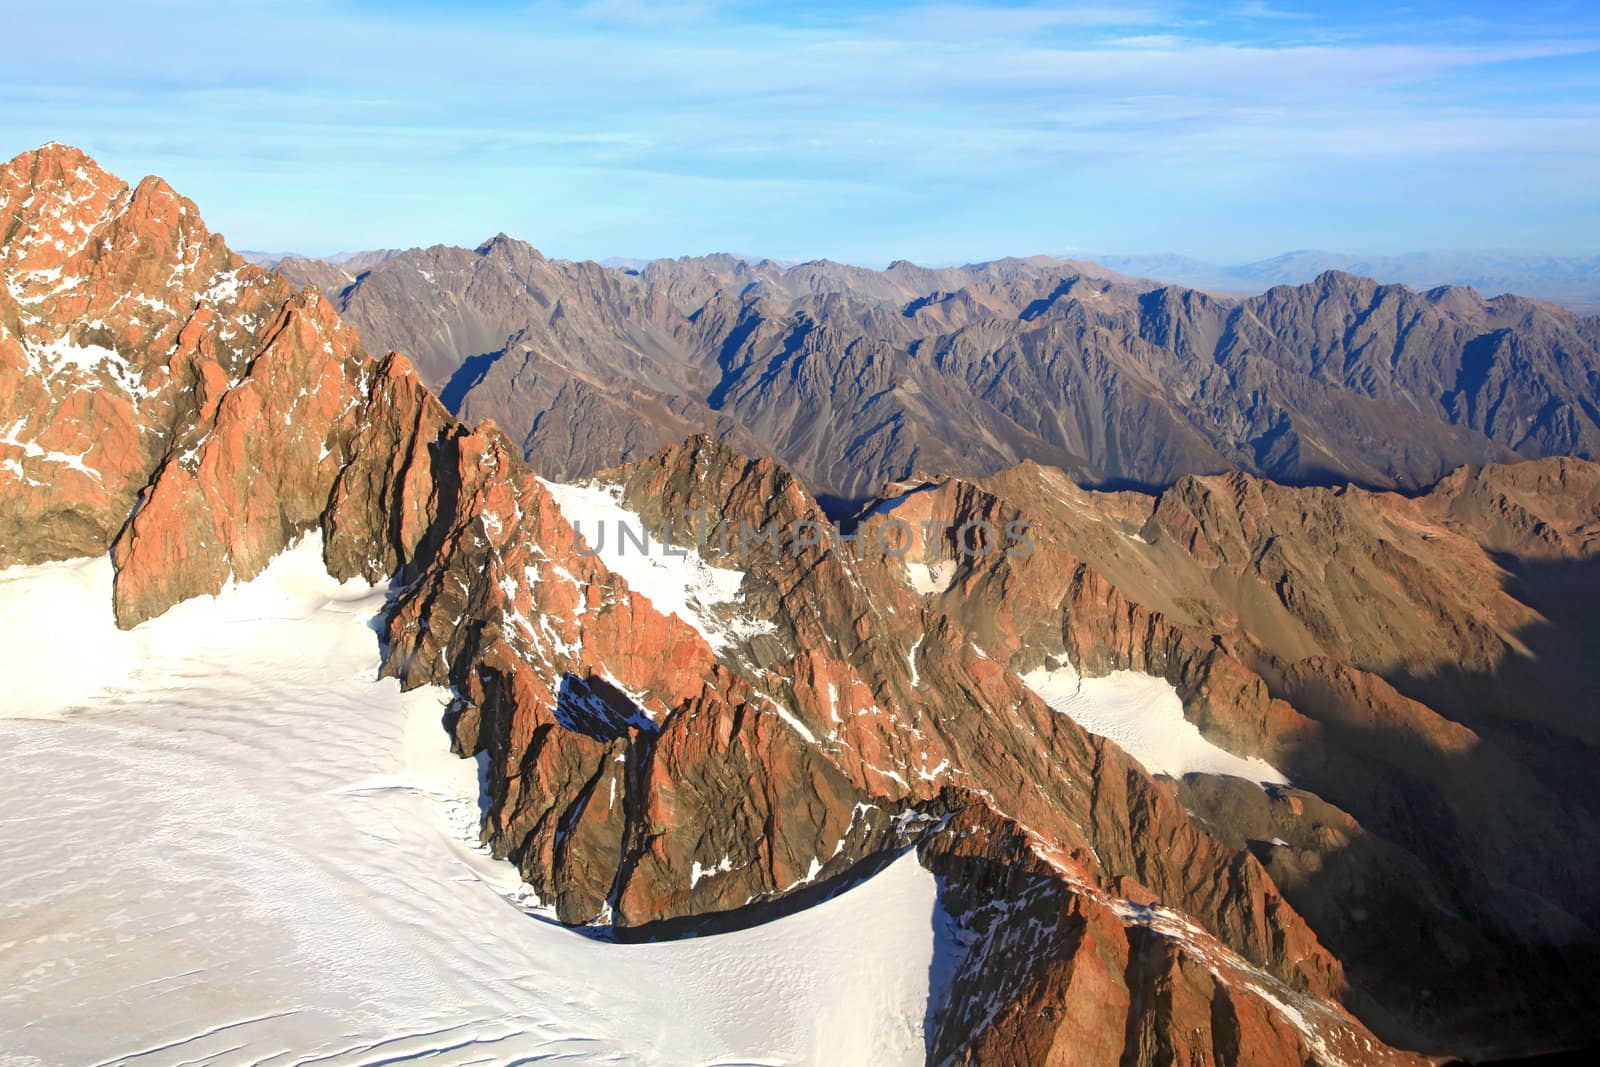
{"x": 33, "y": 450}
{"x": 676, "y": 579}
{"x": 931, "y": 579}
{"x": 1144, "y": 716}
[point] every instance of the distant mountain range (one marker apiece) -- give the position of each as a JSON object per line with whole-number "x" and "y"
{"x": 1572, "y": 281}
{"x": 855, "y": 377}
{"x": 355, "y": 261}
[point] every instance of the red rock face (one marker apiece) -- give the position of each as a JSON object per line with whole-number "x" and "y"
{"x": 254, "y": 470}
{"x": 652, "y": 772}
{"x": 162, "y": 397}
{"x": 639, "y": 776}
{"x": 121, "y": 320}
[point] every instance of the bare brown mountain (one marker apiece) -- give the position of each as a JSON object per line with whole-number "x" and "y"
{"x": 1408, "y": 661}
{"x": 349, "y": 264}
{"x": 853, "y": 377}
{"x": 784, "y": 715}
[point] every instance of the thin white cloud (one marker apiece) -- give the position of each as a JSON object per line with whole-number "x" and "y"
{"x": 1260, "y": 9}
{"x": 647, "y": 12}
{"x": 943, "y": 102}
{"x": 989, "y": 20}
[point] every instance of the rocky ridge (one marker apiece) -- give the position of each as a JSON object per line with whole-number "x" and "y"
{"x": 853, "y": 377}
{"x": 1405, "y": 661}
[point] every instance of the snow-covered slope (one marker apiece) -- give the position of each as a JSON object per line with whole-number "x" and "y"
{"x": 1145, "y": 716}
{"x": 225, "y": 841}
{"x": 674, "y": 578}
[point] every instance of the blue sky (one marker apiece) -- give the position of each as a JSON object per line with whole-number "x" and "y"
{"x": 940, "y": 132}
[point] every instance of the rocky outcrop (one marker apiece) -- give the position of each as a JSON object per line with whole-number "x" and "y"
{"x": 1047, "y": 969}
{"x": 254, "y": 469}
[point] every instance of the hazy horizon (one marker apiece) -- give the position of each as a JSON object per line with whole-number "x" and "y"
{"x": 1086, "y": 255}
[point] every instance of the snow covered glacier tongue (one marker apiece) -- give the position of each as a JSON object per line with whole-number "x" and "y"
{"x": 228, "y": 840}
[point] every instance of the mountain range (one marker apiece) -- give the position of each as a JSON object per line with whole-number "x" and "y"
{"x": 853, "y": 377}
{"x": 1243, "y": 757}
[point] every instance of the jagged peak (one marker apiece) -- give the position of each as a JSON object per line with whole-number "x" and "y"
{"x": 504, "y": 243}
{"x": 70, "y": 226}
{"x": 71, "y": 175}
{"x": 700, "y": 448}
{"x": 1442, "y": 293}
{"x": 1342, "y": 279}
{"x": 58, "y": 167}
{"x": 57, "y": 153}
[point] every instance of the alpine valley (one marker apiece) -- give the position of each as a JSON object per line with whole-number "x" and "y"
{"x": 343, "y": 723}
